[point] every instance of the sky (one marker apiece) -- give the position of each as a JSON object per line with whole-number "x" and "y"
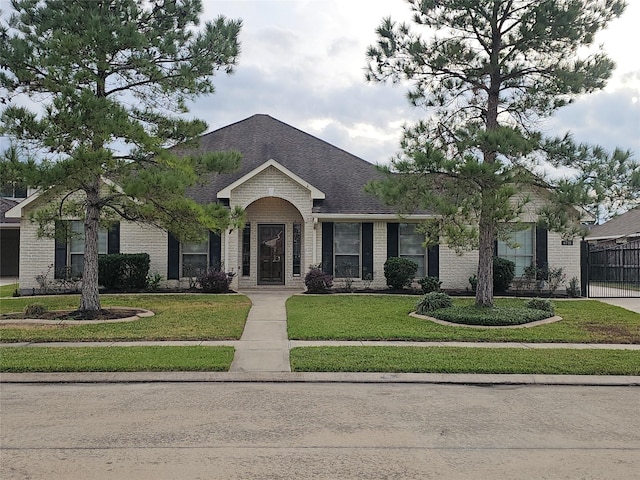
{"x": 303, "y": 62}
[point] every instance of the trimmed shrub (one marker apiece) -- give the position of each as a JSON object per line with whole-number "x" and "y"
{"x": 123, "y": 271}
{"x": 35, "y": 309}
{"x": 490, "y": 317}
{"x": 473, "y": 281}
{"x": 430, "y": 284}
{"x": 540, "y": 304}
{"x": 399, "y": 272}
{"x": 503, "y": 272}
{"x": 215, "y": 281}
{"x": 317, "y": 281}
{"x": 433, "y": 301}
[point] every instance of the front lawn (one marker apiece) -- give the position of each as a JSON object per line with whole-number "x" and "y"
{"x": 465, "y": 360}
{"x": 7, "y": 290}
{"x": 385, "y": 317}
{"x": 115, "y": 359}
{"x": 177, "y": 317}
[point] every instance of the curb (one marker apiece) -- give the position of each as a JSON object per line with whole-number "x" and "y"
{"x": 303, "y": 377}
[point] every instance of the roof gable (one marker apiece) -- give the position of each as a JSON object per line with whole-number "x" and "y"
{"x": 315, "y": 193}
{"x": 331, "y": 171}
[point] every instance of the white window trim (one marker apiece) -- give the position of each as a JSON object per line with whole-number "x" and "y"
{"x": 359, "y": 272}
{"x": 71, "y": 253}
{"x": 182, "y": 254}
{"x": 424, "y": 250}
{"x": 532, "y": 229}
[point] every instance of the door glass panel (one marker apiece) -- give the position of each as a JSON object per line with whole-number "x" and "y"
{"x": 271, "y": 254}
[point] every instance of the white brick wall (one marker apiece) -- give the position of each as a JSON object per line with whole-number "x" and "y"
{"x": 565, "y": 256}
{"x": 136, "y": 238}
{"x": 455, "y": 269}
{"x": 271, "y": 197}
{"x": 36, "y": 256}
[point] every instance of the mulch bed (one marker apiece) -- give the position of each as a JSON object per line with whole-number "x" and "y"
{"x": 104, "y": 314}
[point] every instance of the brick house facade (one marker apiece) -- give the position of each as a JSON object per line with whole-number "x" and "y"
{"x": 305, "y": 205}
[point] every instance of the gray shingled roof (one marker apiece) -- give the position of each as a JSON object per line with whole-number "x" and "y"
{"x": 339, "y": 174}
{"x": 6, "y": 204}
{"x": 625, "y": 225}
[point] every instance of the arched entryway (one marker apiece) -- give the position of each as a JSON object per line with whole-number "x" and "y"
{"x": 271, "y": 244}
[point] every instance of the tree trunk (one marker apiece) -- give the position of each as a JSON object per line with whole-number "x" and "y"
{"x": 487, "y": 226}
{"x": 484, "y": 288}
{"x": 90, "y": 298}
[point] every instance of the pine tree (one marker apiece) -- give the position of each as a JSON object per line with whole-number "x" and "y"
{"x": 488, "y": 75}
{"x": 108, "y": 82}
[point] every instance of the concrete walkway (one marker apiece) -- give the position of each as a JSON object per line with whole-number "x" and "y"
{"x": 264, "y": 345}
{"x": 632, "y": 304}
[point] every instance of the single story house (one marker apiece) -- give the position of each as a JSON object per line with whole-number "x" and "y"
{"x": 621, "y": 229}
{"x": 305, "y": 205}
{"x": 9, "y": 239}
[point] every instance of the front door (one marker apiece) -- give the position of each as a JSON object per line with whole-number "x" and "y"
{"x": 271, "y": 254}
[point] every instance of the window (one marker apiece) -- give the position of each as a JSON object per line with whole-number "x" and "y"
{"x": 76, "y": 246}
{"x": 346, "y": 237}
{"x": 410, "y": 246}
{"x": 195, "y": 259}
{"x": 13, "y": 190}
{"x": 297, "y": 248}
{"x": 523, "y": 255}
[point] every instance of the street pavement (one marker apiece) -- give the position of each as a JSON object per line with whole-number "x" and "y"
{"x": 318, "y": 431}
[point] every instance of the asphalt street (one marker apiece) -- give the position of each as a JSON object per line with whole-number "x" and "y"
{"x": 319, "y": 431}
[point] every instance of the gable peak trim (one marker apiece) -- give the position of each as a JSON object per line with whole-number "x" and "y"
{"x": 316, "y": 194}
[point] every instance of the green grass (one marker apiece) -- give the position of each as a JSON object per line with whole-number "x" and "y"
{"x": 7, "y": 290}
{"x": 465, "y": 360}
{"x": 385, "y": 317}
{"x": 115, "y": 359}
{"x": 177, "y": 317}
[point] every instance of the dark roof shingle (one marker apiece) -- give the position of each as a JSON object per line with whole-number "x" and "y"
{"x": 339, "y": 174}
{"x": 627, "y": 224}
{"x": 6, "y": 204}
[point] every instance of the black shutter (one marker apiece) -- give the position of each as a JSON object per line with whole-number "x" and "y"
{"x": 542, "y": 249}
{"x": 215, "y": 251}
{"x": 392, "y": 239}
{"x": 60, "y": 258}
{"x": 173, "y": 270}
{"x": 327, "y": 247}
{"x": 433, "y": 261}
{"x": 367, "y": 250}
{"x": 113, "y": 239}
{"x": 246, "y": 250}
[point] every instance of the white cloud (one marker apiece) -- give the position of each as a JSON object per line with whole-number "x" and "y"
{"x": 303, "y": 62}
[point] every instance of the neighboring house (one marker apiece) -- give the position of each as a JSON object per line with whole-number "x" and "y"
{"x": 305, "y": 205}
{"x": 612, "y": 257}
{"x": 9, "y": 240}
{"x": 621, "y": 229}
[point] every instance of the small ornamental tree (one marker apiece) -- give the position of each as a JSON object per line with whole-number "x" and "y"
{"x": 109, "y": 82}
{"x": 487, "y": 72}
